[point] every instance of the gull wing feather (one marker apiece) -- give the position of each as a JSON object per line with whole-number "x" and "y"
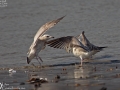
{"x": 66, "y": 43}
{"x": 83, "y": 39}
{"x": 45, "y": 27}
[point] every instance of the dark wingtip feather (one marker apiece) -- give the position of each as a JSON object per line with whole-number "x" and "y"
{"x": 62, "y": 17}
{"x": 101, "y": 48}
{"x": 104, "y": 47}
{"x": 83, "y": 32}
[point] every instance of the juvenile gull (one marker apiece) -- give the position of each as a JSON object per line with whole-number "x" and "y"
{"x": 71, "y": 44}
{"x": 93, "y": 48}
{"x": 40, "y": 40}
{"x": 80, "y": 48}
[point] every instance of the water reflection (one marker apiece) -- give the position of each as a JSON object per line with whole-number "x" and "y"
{"x": 82, "y": 72}
{"x": 82, "y": 75}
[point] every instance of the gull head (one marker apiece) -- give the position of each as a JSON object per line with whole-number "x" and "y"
{"x": 45, "y": 37}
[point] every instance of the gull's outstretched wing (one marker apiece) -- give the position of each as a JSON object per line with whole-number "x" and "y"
{"x": 45, "y": 27}
{"x": 83, "y": 39}
{"x": 66, "y": 43}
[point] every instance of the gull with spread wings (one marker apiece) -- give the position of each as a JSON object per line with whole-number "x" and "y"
{"x": 73, "y": 45}
{"x": 40, "y": 40}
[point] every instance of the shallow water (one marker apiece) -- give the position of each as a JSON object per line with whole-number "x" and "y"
{"x": 72, "y": 77}
{"x": 20, "y": 20}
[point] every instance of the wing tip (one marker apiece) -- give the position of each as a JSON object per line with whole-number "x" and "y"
{"x": 61, "y": 18}
{"x": 83, "y": 32}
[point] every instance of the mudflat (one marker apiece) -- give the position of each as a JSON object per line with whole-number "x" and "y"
{"x": 94, "y": 75}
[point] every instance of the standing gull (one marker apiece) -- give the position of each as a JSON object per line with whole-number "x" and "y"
{"x": 94, "y": 49}
{"x": 80, "y": 48}
{"x": 71, "y": 44}
{"x": 40, "y": 40}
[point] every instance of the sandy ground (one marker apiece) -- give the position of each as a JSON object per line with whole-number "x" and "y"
{"x": 92, "y": 76}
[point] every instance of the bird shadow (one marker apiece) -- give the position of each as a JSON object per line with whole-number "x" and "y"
{"x": 106, "y": 62}
{"x": 104, "y": 56}
{"x": 96, "y": 60}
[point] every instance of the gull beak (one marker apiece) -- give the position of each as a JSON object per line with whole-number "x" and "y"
{"x": 52, "y": 37}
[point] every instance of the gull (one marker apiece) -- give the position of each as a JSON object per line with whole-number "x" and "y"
{"x": 93, "y": 48}
{"x": 40, "y": 40}
{"x": 80, "y": 48}
{"x": 72, "y": 45}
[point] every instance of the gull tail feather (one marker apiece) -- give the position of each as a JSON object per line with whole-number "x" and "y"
{"x": 101, "y": 48}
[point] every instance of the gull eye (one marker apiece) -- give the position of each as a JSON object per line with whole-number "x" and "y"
{"x": 47, "y": 36}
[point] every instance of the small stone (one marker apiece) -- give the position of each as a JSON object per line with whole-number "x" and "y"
{"x": 76, "y": 85}
{"x": 64, "y": 69}
{"x": 57, "y": 77}
{"x": 37, "y": 85}
{"x": 80, "y": 77}
{"x": 12, "y": 70}
{"x": 111, "y": 69}
{"x": 22, "y": 83}
{"x": 34, "y": 75}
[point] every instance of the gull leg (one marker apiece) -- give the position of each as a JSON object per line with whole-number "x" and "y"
{"x": 81, "y": 61}
{"x": 38, "y": 60}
